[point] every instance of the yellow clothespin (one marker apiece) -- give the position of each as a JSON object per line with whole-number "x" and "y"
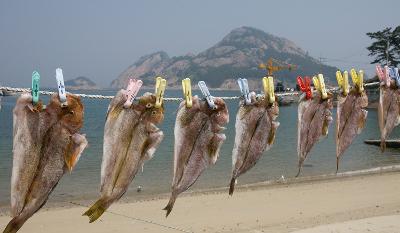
{"x": 160, "y": 88}
{"x": 319, "y": 84}
{"x": 343, "y": 81}
{"x": 316, "y": 83}
{"x": 187, "y": 92}
{"x": 269, "y": 89}
{"x": 358, "y": 79}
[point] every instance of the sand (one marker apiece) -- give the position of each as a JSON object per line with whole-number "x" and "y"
{"x": 367, "y": 203}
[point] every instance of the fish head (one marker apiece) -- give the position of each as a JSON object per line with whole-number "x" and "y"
{"x": 150, "y": 112}
{"x": 274, "y": 110}
{"x": 70, "y": 116}
{"x": 220, "y": 115}
{"x": 363, "y": 100}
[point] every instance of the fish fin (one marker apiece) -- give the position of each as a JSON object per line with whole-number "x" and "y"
{"x": 74, "y": 150}
{"x": 170, "y": 205}
{"x": 13, "y": 226}
{"x": 271, "y": 137}
{"x": 397, "y": 121}
{"x": 232, "y": 186}
{"x": 214, "y": 147}
{"x": 361, "y": 123}
{"x": 96, "y": 210}
{"x": 155, "y": 138}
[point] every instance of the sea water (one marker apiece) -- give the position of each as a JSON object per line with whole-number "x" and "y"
{"x": 280, "y": 160}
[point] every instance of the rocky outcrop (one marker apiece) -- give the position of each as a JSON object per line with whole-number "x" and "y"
{"x": 80, "y": 83}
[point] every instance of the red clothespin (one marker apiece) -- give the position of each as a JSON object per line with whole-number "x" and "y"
{"x": 305, "y": 86}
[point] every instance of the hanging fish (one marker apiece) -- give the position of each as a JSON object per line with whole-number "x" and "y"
{"x": 255, "y": 133}
{"x": 314, "y": 117}
{"x": 351, "y": 113}
{"x": 130, "y": 139}
{"x": 198, "y": 138}
{"x": 388, "y": 108}
{"x": 46, "y": 145}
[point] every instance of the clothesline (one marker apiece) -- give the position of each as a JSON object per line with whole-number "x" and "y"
{"x": 28, "y": 90}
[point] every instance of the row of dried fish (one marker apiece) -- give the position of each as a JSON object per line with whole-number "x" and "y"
{"x": 47, "y": 143}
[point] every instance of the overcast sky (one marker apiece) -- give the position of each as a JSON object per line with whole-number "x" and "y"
{"x": 99, "y": 39}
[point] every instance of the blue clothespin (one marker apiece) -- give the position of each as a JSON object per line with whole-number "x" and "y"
{"x": 35, "y": 87}
{"x": 61, "y": 88}
{"x": 207, "y": 95}
{"x": 394, "y": 74}
{"x": 244, "y": 88}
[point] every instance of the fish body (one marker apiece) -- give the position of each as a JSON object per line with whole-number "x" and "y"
{"x": 29, "y": 126}
{"x": 388, "y": 110}
{"x": 350, "y": 120}
{"x": 198, "y": 139}
{"x": 255, "y": 132}
{"x": 314, "y": 117}
{"x": 59, "y": 150}
{"x": 130, "y": 139}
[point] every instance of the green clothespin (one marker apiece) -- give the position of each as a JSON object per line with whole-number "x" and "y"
{"x": 35, "y": 87}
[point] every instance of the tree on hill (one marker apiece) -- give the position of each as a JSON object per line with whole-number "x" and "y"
{"x": 386, "y": 46}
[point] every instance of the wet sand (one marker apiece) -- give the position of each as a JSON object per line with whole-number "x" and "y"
{"x": 362, "y": 203}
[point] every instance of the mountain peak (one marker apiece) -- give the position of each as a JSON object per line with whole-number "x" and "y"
{"x": 255, "y": 38}
{"x": 238, "y": 54}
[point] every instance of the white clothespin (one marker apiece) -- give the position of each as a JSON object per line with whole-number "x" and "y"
{"x": 207, "y": 95}
{"x": 132, "y": 90}
{"x": 61, "y": 88}
{"x": 244, "y": 89}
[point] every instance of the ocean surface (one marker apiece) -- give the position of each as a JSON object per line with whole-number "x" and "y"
{"x": 83, "y": 182}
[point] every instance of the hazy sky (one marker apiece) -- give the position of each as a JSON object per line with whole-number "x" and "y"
{"x": 99, "y": 39}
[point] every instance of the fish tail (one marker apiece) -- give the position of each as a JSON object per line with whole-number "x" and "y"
{"x": 170, "y": 204}
{"x": 298, "y": 172}
{"x": 337, "y": 164}
{"x": 96, "y": 210}
{"x": 14, "y": 225}
{"x": 232, "y": 186}
{"x": 383, "y": 145}
{"x": 300, "y": 166}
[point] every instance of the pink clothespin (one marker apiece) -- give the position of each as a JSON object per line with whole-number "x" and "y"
{"x": 383, "y": 75}
{"x": 132, "y": 90}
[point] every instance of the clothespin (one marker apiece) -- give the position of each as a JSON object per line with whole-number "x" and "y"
{"x": 343, "y": 81}
{"x": 358, "y": 79}
{"x": 394, "y": 74}
{"x": 187, "y": 92}
{"x": 132, "y": 90}
{"x": 160, "y": 89}
{"x": 305, "y": 86}
{"x": 381, "y": 75}
{"x": 386, "y": 72}
{"x": 269, "y": 89}
{"x": 35, "y": 87}
{"x": 61, "y": 88}
{"x": 244, "y": 89}
{"x": 319, "y": 84}
{"x": 210, "y": 99}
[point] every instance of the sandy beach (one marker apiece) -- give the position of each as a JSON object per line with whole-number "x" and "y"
{"x": 363, "y": 203}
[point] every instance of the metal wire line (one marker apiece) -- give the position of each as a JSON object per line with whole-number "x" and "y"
{"x": 28, "y": 90}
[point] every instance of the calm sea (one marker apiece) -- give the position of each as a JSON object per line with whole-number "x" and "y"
{"x": 156, "y": 177}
